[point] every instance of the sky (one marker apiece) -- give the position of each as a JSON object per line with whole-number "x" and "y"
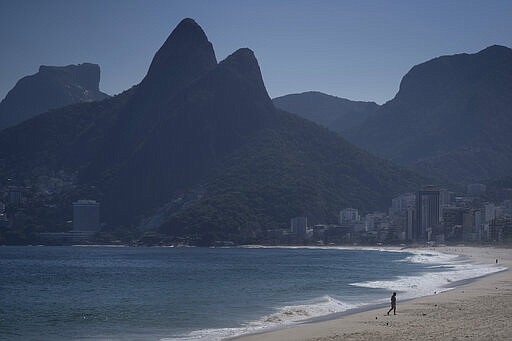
{"x": 358, "y": 50}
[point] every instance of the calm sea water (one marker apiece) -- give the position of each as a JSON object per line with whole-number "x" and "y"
{"x": 96, "y": 293}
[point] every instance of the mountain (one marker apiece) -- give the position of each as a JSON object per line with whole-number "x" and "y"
{"x": 196, "y": 150}
{"x": 295, "y": 168}
{"x": 451, "y": 118}
{"x": 52, "y": 87}
{"x": 202, "y": 125}
{"x": 185, "y": 57}
{"x": 338, "y": 114}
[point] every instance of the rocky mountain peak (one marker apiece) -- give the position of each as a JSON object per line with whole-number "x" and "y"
{"x": 85, "y": 74}
{"x": 496, "y": 50}
{"x": 244, "y": 64}
{"x": 185, "y": 56}
{"x": 52, "y": 87}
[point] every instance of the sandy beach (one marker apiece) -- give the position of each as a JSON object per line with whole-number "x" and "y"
{"x": 478, "y": 310}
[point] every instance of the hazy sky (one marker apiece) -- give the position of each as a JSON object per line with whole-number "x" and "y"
{"x": 354, "y": 49}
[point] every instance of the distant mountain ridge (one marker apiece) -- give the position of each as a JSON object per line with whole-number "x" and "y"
{"x": 451, "y": 118}
{"x": 211, "y": 130}
{"x": 52, "y": 87}
{"x": 338, "y": 114}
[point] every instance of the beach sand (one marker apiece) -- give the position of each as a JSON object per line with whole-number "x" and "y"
{"x": 478, "y": 310}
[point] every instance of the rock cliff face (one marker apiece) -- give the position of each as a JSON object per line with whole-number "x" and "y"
{"x": 452, "y": 118}
{"x": 52, "y": 87}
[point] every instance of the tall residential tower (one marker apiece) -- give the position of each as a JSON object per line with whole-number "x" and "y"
{"x": 427, "y": 213}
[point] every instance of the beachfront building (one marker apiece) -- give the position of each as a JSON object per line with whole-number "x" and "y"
{"x": 489, "y": 210}
{"x": 401, "y": 203}
{"x": 410, "y": 218}
{"x": 445, "y": 198}
{"x": 299, "y": 226}
{"x": 427, "y": 213}
{"x": 402, "y": 213}
{"x": 86, "y": 223}
{"x": 471, "y": 225}
{"x": 86, "y": 216}
{"x": 500, "y": 230}
{"x": 349, "y": 215}
{"x": 372, "y": 221}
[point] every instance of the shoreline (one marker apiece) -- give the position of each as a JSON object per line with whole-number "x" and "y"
{"x": 371, "y": 323}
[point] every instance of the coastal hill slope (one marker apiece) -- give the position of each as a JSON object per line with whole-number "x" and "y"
{"x": 295, "y": 168}
{"x": 52, "y": 87}
{"x": 338, "y": 114}
{"x": 451, "y": 118}
{"x": 198, "y": 150}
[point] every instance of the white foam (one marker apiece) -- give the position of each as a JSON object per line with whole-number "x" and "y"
{"x": 432, "y": 257}
{"x": 285, "y": 316}
{"x": 323, "y": 306}
{"x": 211, "y": 334}
{"x": 409, "y": 287}
{"x": 431, "y": 283}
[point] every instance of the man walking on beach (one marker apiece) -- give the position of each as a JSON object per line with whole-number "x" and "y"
{"x": 393, "y": 304}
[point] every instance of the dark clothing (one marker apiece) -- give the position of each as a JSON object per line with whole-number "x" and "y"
{"x": 393, "y": 304}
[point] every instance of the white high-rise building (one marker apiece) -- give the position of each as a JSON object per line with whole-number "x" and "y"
{"x": 445, "y": 198}
{"x": 372, "y": 220}
{"x": 489, "y": 212}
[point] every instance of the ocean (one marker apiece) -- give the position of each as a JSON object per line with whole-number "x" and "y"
{"x": 122, "y": 293}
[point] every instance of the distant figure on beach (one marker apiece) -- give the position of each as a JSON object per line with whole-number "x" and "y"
{"x": 393, "y": 304}
{"x": 496, "y": 260}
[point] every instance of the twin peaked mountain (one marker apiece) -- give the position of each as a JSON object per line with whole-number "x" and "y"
{"x": 198, "y": 149}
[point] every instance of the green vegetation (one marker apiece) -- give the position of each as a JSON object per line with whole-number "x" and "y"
{"x": 450, "y": 120}
{"x": 295, "y": 169}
